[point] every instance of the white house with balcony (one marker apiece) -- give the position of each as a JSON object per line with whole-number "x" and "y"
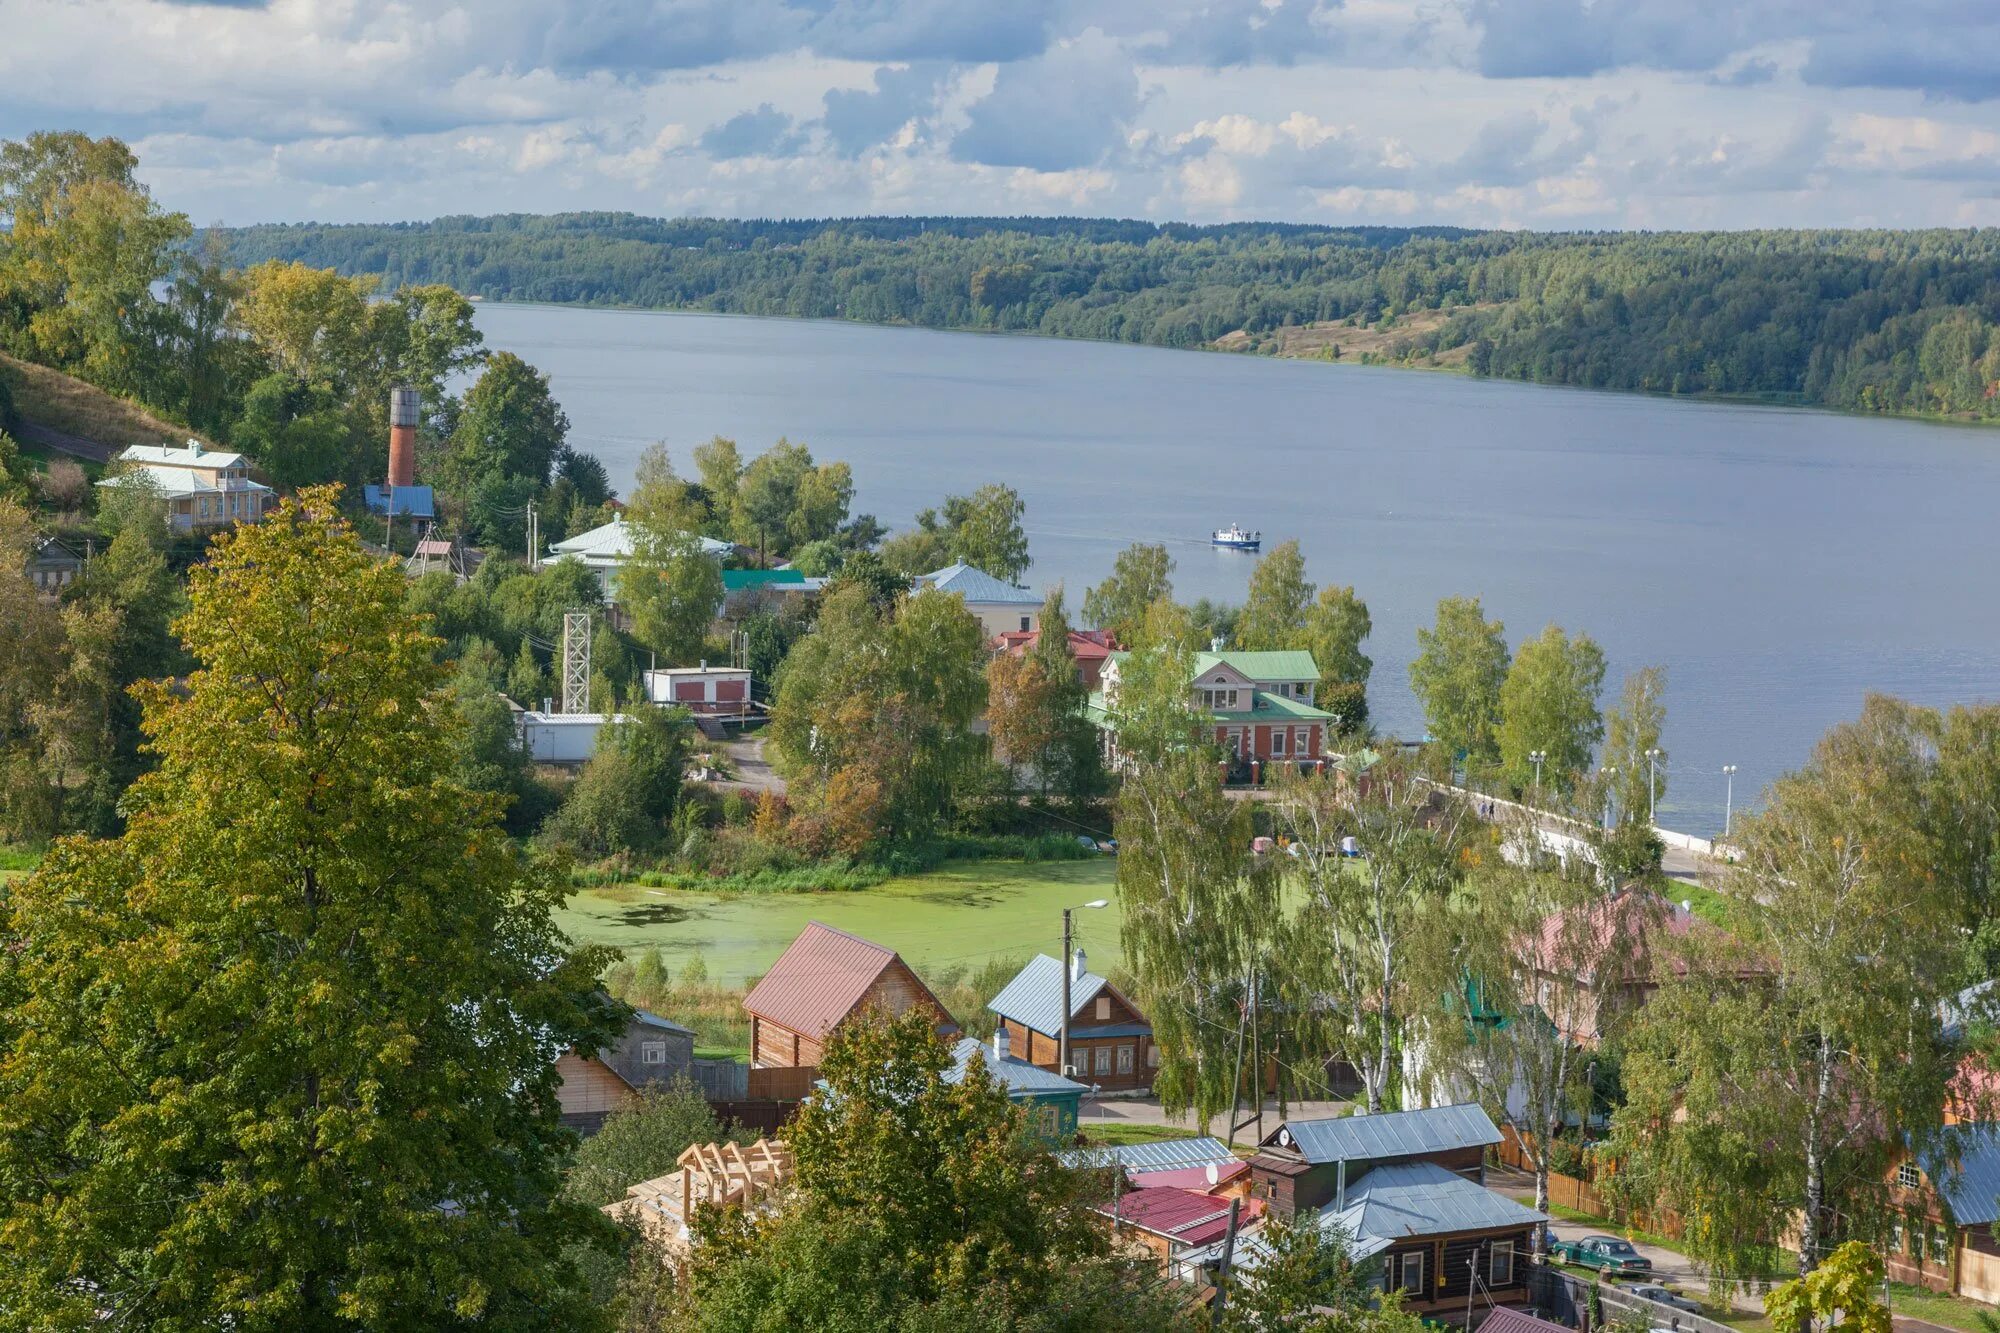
{"x": 202, "y": 487}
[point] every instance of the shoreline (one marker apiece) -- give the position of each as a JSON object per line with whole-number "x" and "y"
{"x": 1711, "y": 399}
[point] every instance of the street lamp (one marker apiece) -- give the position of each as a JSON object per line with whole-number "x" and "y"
{"x": 1536, "y": 757}
{"x": 1610, "y": 779}
{"x": 1728, "y": 796}
{"x": 1652, "y": 784}
{"x": 1062, "y": 1036}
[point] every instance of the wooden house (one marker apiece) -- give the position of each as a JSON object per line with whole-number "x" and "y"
{"x": 1408, "y": 1186}
{"x": 1053, "y": 1101}
{"x": 1110, "y": 1041}
{"x": 652, "y": 1051}
{"x": 1169, "y": 1222}
{"x": 1946, "y": 1203}
{"x": 821, "y": 980}
{"x": 589, "y": 1092}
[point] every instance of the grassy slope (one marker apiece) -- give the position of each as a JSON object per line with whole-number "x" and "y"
{"x": 961, "y": 914}
{"x": 65, "y": 403}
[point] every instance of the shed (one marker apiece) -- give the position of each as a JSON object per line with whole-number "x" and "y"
{"x": 563, "y": 738}
{"x": 714, "y": 690}
{"x": 821, "y": 979}
{"x": 652, "y": 1051}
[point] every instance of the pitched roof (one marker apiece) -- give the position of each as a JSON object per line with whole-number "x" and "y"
{"x": 976, "y": 585}
{"x": 176, "y": 483}
{"x": 1506, "y": 1319}
{"x": 1013, "y": 1073}
{"x": 1034, "y": 997}
{"x": 647, "y": 1018}
{"x": 1165, "y": 1154}
{"x": 1183, "y": 1216}
{"x": 1264, "y": 701}
{"x": 1425, "y": 1199}
{"x": 1389, "y": 1134}
{"x": 1964, "y": 1169}
{"x": 1198, "y": 1178}
{"x": 1282, "y": 664}
{"x": 818, "y": 979}
{"x": 1085, "y": 645}
{"x": 611, "y": 544}
{"x": 193, "y": 454}
{"x": 738, "y": 580}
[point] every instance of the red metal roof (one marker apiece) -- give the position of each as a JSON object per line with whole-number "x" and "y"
{"x": 1193, "y": 1178}
{"x": 1183, "y": 1216}
{"x": 818, "y": 980}
{"x": 1509, "y": 1320}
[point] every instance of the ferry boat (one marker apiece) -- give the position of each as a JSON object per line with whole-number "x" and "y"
{"x": 1236, "y": 539}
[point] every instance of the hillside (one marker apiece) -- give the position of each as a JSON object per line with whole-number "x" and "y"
{"x": 69, "y": 415}
{"x": 1875, "y": 321}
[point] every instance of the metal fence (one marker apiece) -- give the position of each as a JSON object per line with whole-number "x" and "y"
{"x": 1566, "y": 1298}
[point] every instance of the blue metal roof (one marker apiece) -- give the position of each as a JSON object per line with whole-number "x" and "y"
{"x": 976, "y": 585}
{"x": 1964, "y": 1168}
{"x": 1424, "y": 1199}
{"x": 1165, "y": 1155}
{"x": 413, "y": 501}
{"x": 1387, "y": 1135}
{"x": 1020, "y": 1078}
{"x": 1034, "y": 997}
{"x": 651, "y": 1019}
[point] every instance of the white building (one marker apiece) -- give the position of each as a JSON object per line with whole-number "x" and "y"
{"x": 716, "y": 691}
{"x": 563, "y": 738}
{"x": 202, "y": 487}
{"x": 1001, "y": 607}
{"x": 610, "y": 546}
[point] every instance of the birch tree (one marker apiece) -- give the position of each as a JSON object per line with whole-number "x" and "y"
{"x": 1349, "y": 975}
{"x": 1767, "y": 1088}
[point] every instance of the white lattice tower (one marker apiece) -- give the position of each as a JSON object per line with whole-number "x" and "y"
{"x": 576, "y": 662}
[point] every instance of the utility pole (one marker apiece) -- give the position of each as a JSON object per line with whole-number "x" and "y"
{"x": 1222, "y": 1270}
{"x": 1652, "y": 784}
{"x": 1609, "y": 773}
{"x": 534, "y": 537}
{"x": 576, "y": 662}
{"x": 1256, "y": 1057}
{"x": 1728, "y": 796}
{"x": 1068, "y": 964}
{"x": 1537, "y": 757}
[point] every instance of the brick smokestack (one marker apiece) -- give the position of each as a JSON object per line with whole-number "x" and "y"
{"x": 402, "y": 437}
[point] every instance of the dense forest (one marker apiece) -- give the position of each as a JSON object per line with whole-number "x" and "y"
{"x": 1877, "y": 321}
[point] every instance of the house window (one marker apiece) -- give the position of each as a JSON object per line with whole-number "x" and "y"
{"x": 1124, "y": 1059}
{"x": 1079, "y": 1061}
{"x": 1917, "y": 1242}
{"x": 1103, "y": 1008}
{"x": 1413, "y": 1272}
{"x": 1940, "y": 1245}
{"x": 1284, "y": 689}
{"x": 1232, "y": 699}
{"x": 1299, "y": 746}
{"x": 1278, "y": 737}
{"x": 1024, "y": 624}
{"x": 1152, "y": 1057}
{"x": 1896, "y": 1237}
{"x": 653, "y": 1052}
{"x": 1103, "y": 1059}
{"x": 1908, "y": 1177}
{"x": 1500, "y": 1264}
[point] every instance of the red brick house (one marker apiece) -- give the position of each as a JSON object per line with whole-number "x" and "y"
{"x": 1091, "y": 648}
{"x": 1260, "y": 706}
{"x": 823, "y": 978}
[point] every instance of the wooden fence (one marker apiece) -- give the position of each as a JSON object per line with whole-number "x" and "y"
{"x": 1583, "y": 1196}
{"x": 785, "y": 1085}
{"x": 765, "y": 1117}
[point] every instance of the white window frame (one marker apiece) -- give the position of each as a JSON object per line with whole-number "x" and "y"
{"x": 1126, "y": 1063}
{"x": 1101, "y": 1063}
{"x": 653, "y": 1052}
{"x": 1940, "y": 1244}
{"x": 1409, "y": 1258}
{"x": 1280, "y": 739}
{"x": 1908, "y": 1176}
{"x": 1500, "y": 1265}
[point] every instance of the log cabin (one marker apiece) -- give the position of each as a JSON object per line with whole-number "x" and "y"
{"x": 821, "y": 980}
{"x": 1110, "y": 1041}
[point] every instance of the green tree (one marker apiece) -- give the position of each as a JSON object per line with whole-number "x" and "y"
{"x": 1630, "y": 730}
{"x": 1460, "y": 666}
{"x": 322, "y": 994}
{"x": 511, "y": 426}
{"x": 720, "y": 467}
{"x": 921, "y": 1204}
{"x": 312, "y": 323}
{"x": 1274, "y": 612}
{"x": 1073, "y": 765}
{"x": 1354, "y": 972}
{"x": 1140, "y": 576}
{"x": 768, "y": 496}
{"x": 1336, "y": 625}
{"x": 1769, "y": 1082}
{"x": 1548, "y": 702}
{"x": 985, "y": 531}
{"x": 670, "y": 587}
{"x": 1841, "y": 1292}
{"x": 1306, "y": 1279}
{"x": 640, "y": 1141}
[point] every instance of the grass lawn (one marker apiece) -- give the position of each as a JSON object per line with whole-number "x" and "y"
{"x": 1935, "y": 1307}
{"x": 960, "y": 914}
{"x": 1118, "y": 1134}
{"x": 74, "y": 407}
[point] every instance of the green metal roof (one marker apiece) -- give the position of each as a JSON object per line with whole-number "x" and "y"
{"x": 1283, "y": 664}
{"x": 1271, "y": 707}
{"x": 735, "y": 580}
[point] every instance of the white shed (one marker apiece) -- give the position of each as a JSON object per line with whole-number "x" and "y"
{"x": 719, "y": 691}
{"x": 563, "y": 738}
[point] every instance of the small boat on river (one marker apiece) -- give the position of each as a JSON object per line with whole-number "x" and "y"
{"x": 1234, "y": 538}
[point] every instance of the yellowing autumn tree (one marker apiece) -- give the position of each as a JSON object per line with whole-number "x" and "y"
{"x": 282, "y": 1056}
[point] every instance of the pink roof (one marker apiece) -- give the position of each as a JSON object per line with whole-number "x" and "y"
{"x": 819, "y": 979}
{"x": 1506, "y": 1320}
{"x": 1085, "y": 644}
{"x": 1189, "y": 1177}
{"x": 1182, "y": 1216}
{"x": 1633, "y": 913}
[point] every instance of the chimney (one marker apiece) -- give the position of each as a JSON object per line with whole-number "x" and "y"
{"x": 1215, "y": 645}
{"x": 1001, "y": 1042}
{"x": 402, "y": 437}
{"x": 1077, "y": 967}
{"x": 194, "y": 446}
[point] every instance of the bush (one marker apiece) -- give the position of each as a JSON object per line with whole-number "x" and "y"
{"x": 640, "y": 1142}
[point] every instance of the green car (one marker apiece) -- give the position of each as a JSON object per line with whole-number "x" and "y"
{"x": 1608, "y": 1253}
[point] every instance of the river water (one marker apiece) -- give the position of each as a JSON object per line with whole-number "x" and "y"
{"x": 1779, "y": 564}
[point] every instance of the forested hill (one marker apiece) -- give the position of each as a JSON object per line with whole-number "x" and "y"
{"x": 1881, "y": 321}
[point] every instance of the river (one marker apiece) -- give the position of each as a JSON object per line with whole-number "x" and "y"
{"x": 1779, "y": 564}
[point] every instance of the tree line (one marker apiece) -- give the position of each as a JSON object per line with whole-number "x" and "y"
{"x": 1874, "y": 321}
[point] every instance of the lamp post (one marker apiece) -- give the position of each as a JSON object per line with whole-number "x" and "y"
{"x": 1652, "y": 784}
{"x": 1610, "y": 778}
{"x": 1062, "y": 1037}
{"x": 1728, "y": 796}
{"x": 1537, "y": 757}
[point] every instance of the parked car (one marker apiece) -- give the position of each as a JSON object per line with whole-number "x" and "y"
{"x": 1665, "y": 1296}
{"x": 1608, "y": 1253}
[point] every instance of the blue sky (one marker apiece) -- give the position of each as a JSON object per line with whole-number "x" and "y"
{"x": 1518, "y": 113}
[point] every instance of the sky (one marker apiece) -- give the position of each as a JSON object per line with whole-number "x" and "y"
{"x": 1564, "y": 114}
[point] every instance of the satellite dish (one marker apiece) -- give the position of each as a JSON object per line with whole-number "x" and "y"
{"x": 1213, "y": 1176}
{"x": 1284, "y": 1138}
